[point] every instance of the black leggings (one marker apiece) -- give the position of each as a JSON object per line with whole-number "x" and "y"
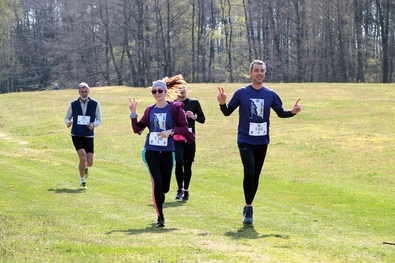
{"x": 160, "y": 166}
{"x": 252, "y": 157}
{"x": 185, "y": 155}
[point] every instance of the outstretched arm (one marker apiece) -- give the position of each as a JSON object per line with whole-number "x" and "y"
{"x": 289, "y": 113}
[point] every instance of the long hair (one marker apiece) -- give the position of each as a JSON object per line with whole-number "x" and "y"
{"x": 174, "y": 83}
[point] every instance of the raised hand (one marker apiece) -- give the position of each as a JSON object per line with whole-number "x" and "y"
{"x": 297, "y": 107}
{"x": 133, "y": 105}
{"x": 221, "y": 97}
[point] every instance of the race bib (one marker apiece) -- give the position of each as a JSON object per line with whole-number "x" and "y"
{"x": 83, "y": 120}
{"x": 156, "y": 139}
{"x": 258, "y": 129}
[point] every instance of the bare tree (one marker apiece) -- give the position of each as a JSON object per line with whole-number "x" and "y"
{"x": 9, "y": 14}
{"x": 226, "y": 19}
{"x": 133, "y": 42}
{"x": 358, "y": 20}
{"x": 383, "y": 12}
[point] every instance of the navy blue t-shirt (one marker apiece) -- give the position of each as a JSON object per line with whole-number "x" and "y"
{"x": 254, "y": 113}
{"x": 161, "y": 119}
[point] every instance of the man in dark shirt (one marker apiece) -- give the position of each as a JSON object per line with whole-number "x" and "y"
{"x": 255, "y": 102}
{"x": 185, "y": 153}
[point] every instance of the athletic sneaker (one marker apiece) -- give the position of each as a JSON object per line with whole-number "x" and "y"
{"x": 247, "y": 214}
{"x": 86, "y": 173}
{"x": 161, "y": 221}
{"x": 185, "y": 196}
{"x": 179, "y": 194}
{"x": 83, "y": 186}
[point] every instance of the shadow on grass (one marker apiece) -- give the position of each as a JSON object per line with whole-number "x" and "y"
{"x": 151, "y": 229}
{"x": 251, "y": 233}
{"x": 66, "y": 190}
{"x": 171, "y": 204}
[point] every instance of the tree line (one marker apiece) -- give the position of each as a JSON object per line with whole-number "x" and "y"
{"x": 133, "y": 42}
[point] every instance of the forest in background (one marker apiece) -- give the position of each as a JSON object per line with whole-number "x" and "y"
{"x": 133, "y": 42}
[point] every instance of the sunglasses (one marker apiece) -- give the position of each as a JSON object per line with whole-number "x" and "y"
{"x": 154, "y": 91}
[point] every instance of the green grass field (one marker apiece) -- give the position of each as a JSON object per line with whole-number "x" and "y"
{"x": 326, "y": 192}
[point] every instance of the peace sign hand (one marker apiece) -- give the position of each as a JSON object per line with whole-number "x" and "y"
{"x": 221, "y": 97}
{"x": 133, "y": 105}
{"x": 297, "y": 107}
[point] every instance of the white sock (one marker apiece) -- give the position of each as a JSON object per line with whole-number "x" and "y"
{"x": 83, "y": 180}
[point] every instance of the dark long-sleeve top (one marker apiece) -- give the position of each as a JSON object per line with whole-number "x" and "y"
{"x": 193, "y": 105}
{"x": 254, "y": 112}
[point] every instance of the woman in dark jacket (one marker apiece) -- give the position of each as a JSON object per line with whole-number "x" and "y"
{"x": 163, "y": 119}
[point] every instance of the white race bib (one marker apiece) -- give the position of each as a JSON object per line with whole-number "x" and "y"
{"x": 156, "y": 139}
{"x": 83, "y": 120}
{"x": 258, "y": 129}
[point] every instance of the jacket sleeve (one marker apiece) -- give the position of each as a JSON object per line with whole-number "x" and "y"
{"x": 181, "y": 124}
{"x": 139, "y": 126}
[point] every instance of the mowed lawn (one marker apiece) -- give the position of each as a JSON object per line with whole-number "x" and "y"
{"x": 326, "y": 192}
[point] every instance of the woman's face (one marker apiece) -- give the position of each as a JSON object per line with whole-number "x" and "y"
{"x": 158, "y": 93}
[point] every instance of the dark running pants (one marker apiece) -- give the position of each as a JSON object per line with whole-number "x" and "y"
{"x": 185, "y": 155}
{"x": 160, "y": 166}
{"x": 252, "y": 157}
